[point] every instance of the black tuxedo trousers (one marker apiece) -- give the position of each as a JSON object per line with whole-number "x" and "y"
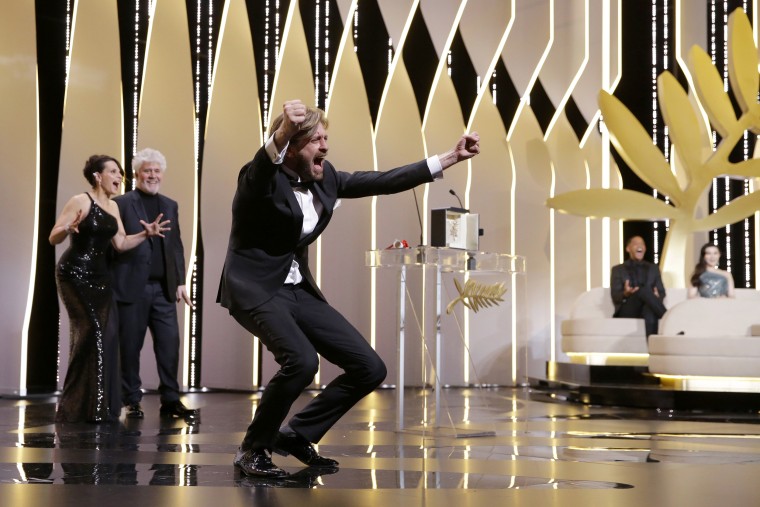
{"x": 296, "y": 325}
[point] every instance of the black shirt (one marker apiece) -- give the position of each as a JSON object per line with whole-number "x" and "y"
{"x": 157, "y": 267}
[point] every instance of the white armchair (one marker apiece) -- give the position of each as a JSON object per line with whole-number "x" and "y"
{"x": 592, "y": 336}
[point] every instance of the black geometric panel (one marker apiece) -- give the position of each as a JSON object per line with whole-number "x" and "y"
{"x": 463, "y": 75}
{"x": 133, "y": 35}
{"x": 324, "y": 16}
{"x": 541, "y": 105}
{"x": 576, "y": 119}
{"x": 204, "y": 20}
{"x": 42, "y": 358}
{"x": 371, "y": 41}
{"x": 505, "y": 93}
{"x": 263, "y": 17}
{"x": 421, "y": 60}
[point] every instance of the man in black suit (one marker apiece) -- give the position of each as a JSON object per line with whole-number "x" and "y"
{"x": 148, "y": 281}
{"x": 636, "y": 287}
{"x": 285, "y": 198}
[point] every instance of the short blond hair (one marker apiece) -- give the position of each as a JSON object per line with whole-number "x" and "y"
{"x": 314, "y": 117}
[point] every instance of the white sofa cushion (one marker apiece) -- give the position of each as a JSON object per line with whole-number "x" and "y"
{"x": 603, "y": 327}
{"x": 604, "y": 344}
{"x": 710, "y": 346}
{"x": 596, "y": 303}
{"x": 715, "y": 366}
{"x": 712, "y": 317}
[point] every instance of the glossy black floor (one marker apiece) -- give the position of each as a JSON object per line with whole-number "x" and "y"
{"x": 541, "y": 451}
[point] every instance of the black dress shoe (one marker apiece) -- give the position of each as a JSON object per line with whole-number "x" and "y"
{"x": 257, "y": 463}
{"x": 177, "y": 409}
{"x": 302, "y": 450}
{"x": 135, "y": 411}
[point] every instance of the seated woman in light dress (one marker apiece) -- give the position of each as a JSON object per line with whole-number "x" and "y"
{"x": 708, "y": 281}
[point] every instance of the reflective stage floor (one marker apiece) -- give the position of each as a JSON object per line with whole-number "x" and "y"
{"x": 538, "y": 451}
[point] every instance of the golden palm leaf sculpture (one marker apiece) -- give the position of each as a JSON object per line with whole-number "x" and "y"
{"x": 475, "y": 295}
{"x": 693, "y": 145}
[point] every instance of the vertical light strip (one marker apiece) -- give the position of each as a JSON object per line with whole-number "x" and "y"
{"x": 745, "y": 145}
{"x": 756, "y": 244}
{"x": 21, "y": 441}
{"x": 135, "y": 83}
{"x": 71, "y": 17}
{"x": 606, "y": 153}
{"x": 512, "y": 251}
{"x": 321, "y": 87}
{"x": 552, "y": 273}
{"x": 320, "y": 99}
{"x": 682, "y": 65}
{"x": 655, "y": 130}
{"x": 660, "y": 52}
{"x": 594, "y": 124}
{"x": 392, "y": 64}
{"x": 326, "y": 57}
{"x": 482, "y": 91}
{"x": 70, "y": 22}
{"x": 328, "y": 83}
{"x": 525, "y": 99}
{"x": 728, "y": 253}
{"x": 214, "y": 73}
{"x": 713, "y": 38}
{"x": 747, "y": 250}
{"x": 445, "y": 63}
{"x": 271, "y": 51}
{"x": 588, "y": 230}
{"x": 552, "y": 188}
{"x": 35, "y": 245}
{"x": 318, "y": 103}
{"x": 571, "y": 88}
{"x": 317, "y": 51}
{"x": 267, "y": 56}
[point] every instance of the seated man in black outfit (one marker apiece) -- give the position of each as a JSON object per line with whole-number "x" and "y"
{"x": 636, "y": 287}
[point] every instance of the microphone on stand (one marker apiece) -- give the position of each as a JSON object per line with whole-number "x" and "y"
{"x": 419, "y": 215}
{"x": 420, "y": 249}
{"x": 451, "y": 191}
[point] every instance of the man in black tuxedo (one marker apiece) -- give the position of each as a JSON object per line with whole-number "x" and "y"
{"x": 636, "y": 287}
{"x": 285, "y": 198}
{"x": 148, "y": 281}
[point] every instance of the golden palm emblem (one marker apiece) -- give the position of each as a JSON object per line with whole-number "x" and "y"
{"x": 475, "y": 295}
{"x": 695, "y": 160}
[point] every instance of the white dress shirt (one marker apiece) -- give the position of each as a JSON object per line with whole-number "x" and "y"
{"x": 310, "y": 206}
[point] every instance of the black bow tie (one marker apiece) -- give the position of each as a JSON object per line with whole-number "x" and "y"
{"x": 302, "y": 185}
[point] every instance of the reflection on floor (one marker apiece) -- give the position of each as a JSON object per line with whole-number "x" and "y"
{"x": 541, "y": 451}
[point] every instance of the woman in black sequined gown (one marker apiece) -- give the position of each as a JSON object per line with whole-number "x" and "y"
{"x": 92, "y": 386}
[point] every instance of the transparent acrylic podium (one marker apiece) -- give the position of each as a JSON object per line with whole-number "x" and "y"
{"x": 441, "y": 260}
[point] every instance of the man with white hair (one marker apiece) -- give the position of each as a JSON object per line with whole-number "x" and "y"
{"x": 148, "y": 281}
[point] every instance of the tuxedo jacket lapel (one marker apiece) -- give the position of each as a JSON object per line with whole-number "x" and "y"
{"x": 283, "y": 185}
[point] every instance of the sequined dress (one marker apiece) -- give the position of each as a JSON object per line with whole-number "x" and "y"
{"x": 91, "y": 388}
{"x": 712, "y": 285}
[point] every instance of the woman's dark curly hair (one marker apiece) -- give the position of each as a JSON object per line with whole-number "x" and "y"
{"x": 96, "y": 164}
{"x": 701, "y": 266}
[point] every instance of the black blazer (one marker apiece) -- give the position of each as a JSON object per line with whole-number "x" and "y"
{"x": 131, "y": 269}
{"x": 267, "y": 223}
{"x": 623, "y": 272}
